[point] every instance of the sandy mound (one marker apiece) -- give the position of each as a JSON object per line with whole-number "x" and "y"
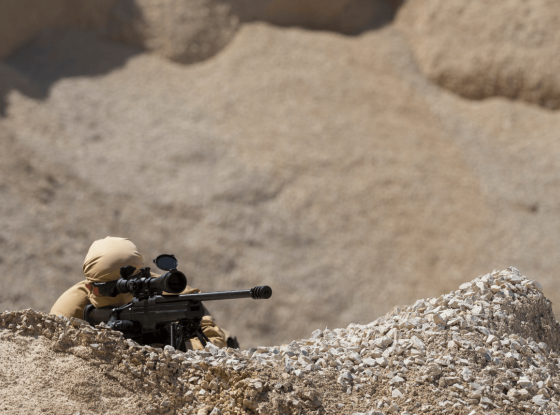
{"x": 344, "y": 16}
{"x": 490, "y": 346}
{"x": 183, "y": 30}
{"x": 481, "y": 49}
{"x": 37, "y": 378}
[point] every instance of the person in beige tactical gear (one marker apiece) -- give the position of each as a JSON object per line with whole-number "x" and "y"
{"x": 102, "y": 264}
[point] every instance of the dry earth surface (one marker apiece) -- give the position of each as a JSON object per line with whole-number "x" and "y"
{"x": 503, "y": 48}
{"x": 490, "y": 347}
{"x": 329, "y": 167}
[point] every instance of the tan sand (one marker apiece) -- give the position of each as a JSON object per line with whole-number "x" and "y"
{"x": 491, "y": 346}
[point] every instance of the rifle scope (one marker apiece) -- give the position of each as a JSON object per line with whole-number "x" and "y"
{"x": 172, "y": 282}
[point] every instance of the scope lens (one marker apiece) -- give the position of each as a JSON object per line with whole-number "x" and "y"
{"x": 175, "y": 282}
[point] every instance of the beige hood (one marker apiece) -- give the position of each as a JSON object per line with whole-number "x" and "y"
{"x": 103, "y": 263}
{"x": 106, "y": 257}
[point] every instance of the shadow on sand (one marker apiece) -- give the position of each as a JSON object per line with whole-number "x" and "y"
{"x": 56, "y": 54}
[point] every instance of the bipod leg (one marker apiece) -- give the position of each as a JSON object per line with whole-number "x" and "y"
{"x": 175, "y": 335}
{"x": 202, "y": 337}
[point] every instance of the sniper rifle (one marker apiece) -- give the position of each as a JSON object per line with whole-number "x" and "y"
{"x": 157, "y": 314}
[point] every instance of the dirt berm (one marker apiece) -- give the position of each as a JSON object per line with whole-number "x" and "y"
{"x": 489, "y": 347}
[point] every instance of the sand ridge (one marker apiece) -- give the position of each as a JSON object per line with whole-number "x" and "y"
{"x": 489, "y": 347}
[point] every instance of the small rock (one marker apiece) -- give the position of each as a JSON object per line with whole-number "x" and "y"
{"x": 524, "y": 382}
{"x": 540, "y": 400}
{"x": 485, "y": 400}
{"x": 170, "y": 350}
{"x": 397, "y": 393}
{"x": 396, "y": 380}
{"x": 211, "y": 348}
{"x": 538, "y": 285}
{"x": 368, "y": 361}
{"x": 317, "y": 334}
{"x": 347, "y": 376}
{"x": 382, "y": 361}
{"x": 418, "y": 343}
{"x": 523, "y": 394}
{"x": 437, "y": 319}
{"x": 491, "y": 339}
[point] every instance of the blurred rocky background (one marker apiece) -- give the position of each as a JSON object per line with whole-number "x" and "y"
{"x": 352, "y": 154}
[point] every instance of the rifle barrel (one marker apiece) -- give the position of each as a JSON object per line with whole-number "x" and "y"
{"x": 256, "y": 293}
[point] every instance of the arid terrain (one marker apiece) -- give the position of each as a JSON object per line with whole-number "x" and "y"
{"x": 490, "y": 347}
{"x": 352, "y": 155}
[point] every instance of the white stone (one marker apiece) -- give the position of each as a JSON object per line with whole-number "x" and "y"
{"x": 524, "y": 382}
{"x": 483, "y": 330}
{"x": 418, "y": 343}
{"x": 317, "y": 334}
{"x": 447, "y": 314}
{"x": 171, "y": 350}
{"x": 486, "y": 400}
{"x": 416, "y": 353}
{"x": 495, "y": 288}
{"x": 369, "y": 362}
{"x": 377, "y": 353}
{"x": 436, "y": 318}
{"x": 540, "y": 400}
{"x": 397, "y": 393}
{"x": 458, "y": 387}
{"x": 477, "y": 309}
{"x": 467, "y": 374}
{"x": 396, "y": 380}
{"x": 382, "y": 361}
{"x": 384, "y": 341}
{"x": 491, "y": 339}
{"x": 394, "y": 334}
{"x": 455, "y": 321}
{"x": 523, "y": 394}
{"x": 347, "y": 376}
{"x": 304, "y": 360}
{"x": 481, "y": 350}
{"x": 212, "y": 348}
{"x": 355, "y": 357}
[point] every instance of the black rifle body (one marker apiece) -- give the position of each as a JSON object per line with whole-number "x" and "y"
{"x": 165, "y": 319}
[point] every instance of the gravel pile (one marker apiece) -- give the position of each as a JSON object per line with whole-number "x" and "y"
{"x": 489, "y": 347}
